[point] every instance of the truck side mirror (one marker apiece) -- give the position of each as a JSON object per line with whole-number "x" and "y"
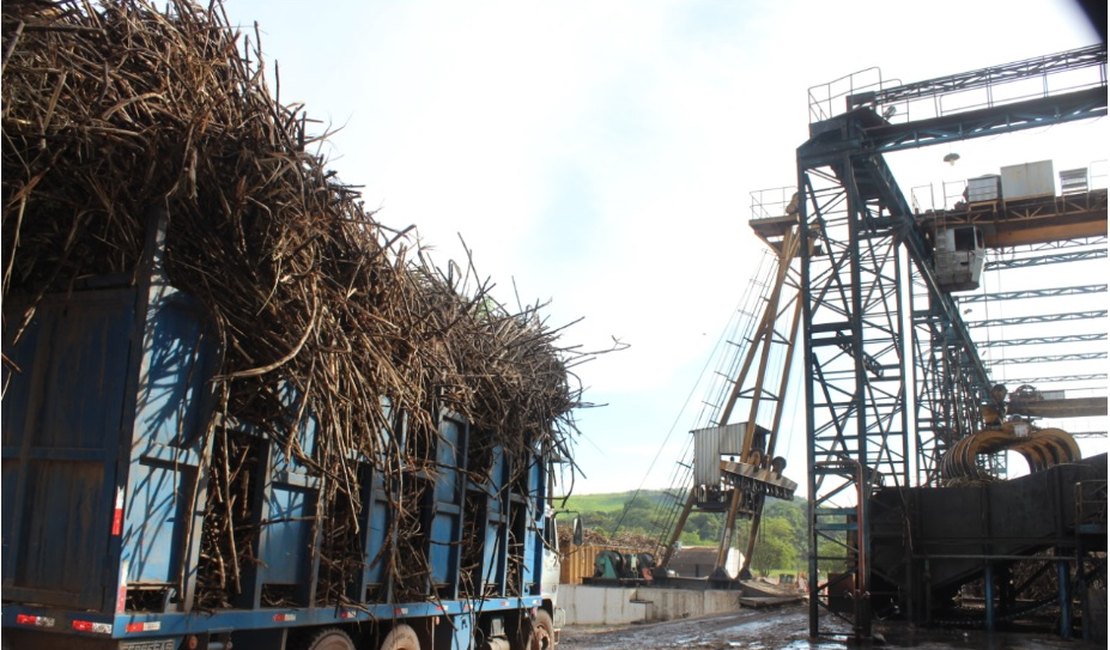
{"x": 577, "y": 536}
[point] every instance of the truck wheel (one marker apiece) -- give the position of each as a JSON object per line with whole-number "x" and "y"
{"x": 401, "y": 637}
{"x": 330, "y": 639}
{"x": 543, "y": 632}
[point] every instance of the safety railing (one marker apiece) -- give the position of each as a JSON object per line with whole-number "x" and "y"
{"x": 772, "y": 203}
{"x": 1090, "y": 503}
{"x": 1039, "y": 77}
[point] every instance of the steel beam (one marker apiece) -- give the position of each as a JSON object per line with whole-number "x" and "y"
{"x": 1044, "y": 340}
{"x": 1090, "y": 56}
{"x": 1034, "y": 221}
{"x": 1050, "y": 358}
{"x": 1068, "y": 407}
{"x": 986, "y": 122}
{"x": 1041, "y": 260}
{"x": 1061, "y": 379}
{"x": 1039, "y": 318}
{"x": 1023, "y": 294}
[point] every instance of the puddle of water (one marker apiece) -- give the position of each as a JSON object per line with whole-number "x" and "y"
{"x": 938, "y": 640}
{"x": 806, "y": 644}
{"x": 752, "y": 627}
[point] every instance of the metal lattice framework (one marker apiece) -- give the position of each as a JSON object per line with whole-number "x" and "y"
{"x": 893, "y": 375}
{"x": 1034, "y": 293}
{"x": 854, "y": 342}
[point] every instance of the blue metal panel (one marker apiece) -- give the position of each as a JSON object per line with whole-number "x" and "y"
{"x": 495, "y": 550}
{"x": 153, "y": 506}
{"x": 445, "y": 526}
{"x": 284, "y": 540}
{"x": 533, "y": 547}
{"x": 167, "y": 439}
{"x": 174, "y": 374}
{"x": 11, "y": 475}
{"x": 377, "y": 508}
{"x": 377, "y": 528}
{"x": 443, "y": 549}
{"x": 17, "y": 401}
{"x": 283, "y": 505}
{"x": 176, "y": 624}
{"x": 65, "y": 526}
{"x": 62, "y": 419}
{"x": 448, "y": 460}
{"x": 19, "y": 391}
{"x": 86, "y": 363}
{"x": 461, "y": 629}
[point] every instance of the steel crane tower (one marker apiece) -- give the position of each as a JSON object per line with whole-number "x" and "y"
{"x": 893, "y": 377}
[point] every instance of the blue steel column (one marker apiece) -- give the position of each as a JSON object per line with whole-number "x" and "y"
{"x": 856, "y": 392}
{"x": 811, "y": 445}
{"x": 861, "y": 626}
{"x": 1063, "y": 580}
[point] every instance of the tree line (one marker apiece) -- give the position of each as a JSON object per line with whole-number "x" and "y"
{"x": 781, "y": 542}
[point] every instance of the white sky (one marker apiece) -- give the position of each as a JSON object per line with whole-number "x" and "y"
{"x": 601, "y": 154}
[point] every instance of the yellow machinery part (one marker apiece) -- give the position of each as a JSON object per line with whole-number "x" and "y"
{"x": 1041, "y": 448}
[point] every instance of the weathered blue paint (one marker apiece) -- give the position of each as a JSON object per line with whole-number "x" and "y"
{"x": 104, "y": 433}
{"x": 60, "y": 464}
{"x": 171, "y": 624}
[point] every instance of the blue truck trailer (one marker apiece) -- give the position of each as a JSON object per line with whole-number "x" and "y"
{"x": 107, "y": 452}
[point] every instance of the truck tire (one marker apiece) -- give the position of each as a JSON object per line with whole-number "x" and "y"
{"x": 330, "y": 639}
{"x": 543, "y": 632}
{"x": 401, "y": 637}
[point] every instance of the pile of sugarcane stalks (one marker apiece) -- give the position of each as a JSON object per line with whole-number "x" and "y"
{"x": 117, "y": 108}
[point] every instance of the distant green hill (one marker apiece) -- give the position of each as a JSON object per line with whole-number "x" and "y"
{"x": 613, "y": 502}
{"x": 782, "y": 537}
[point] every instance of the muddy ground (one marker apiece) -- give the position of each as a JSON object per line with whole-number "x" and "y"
{"x": 787, "y": 627}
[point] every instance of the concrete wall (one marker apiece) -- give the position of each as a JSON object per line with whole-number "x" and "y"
{"x": 699, "y": 561}
{"x": 587, "y": 605}
{"x": 590, "y": 605}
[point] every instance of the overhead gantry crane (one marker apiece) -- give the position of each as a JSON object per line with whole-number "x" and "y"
{"x": 894, "y": 378}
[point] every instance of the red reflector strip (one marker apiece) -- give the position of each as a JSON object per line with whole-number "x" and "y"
{"x": 284, "y": 618}
{"x": 347, "y": 613}
{"x": 147, "y": 626}
{"x": 37, "y": 621}
{"x": 117, "y": 514}
{"x": 89, "y": 626}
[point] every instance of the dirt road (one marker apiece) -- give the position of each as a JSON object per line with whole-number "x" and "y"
{"x": 786, "y": 628}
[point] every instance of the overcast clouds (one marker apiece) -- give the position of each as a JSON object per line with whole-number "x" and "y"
{"x": 602, "y": 153}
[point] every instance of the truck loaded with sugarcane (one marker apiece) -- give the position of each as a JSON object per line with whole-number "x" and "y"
{"x": 237, "y": 409}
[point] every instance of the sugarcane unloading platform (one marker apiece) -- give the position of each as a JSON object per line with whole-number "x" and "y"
{"x": 1033, "y": 541}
